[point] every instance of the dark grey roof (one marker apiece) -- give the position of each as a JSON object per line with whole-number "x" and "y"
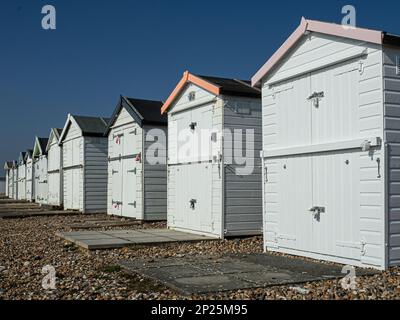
{"x": 233, "y": 87}
{"x": 150, "y": 110}
{"x": 43, "y": 144}
{"x": 58, "y": 130}
{"x": 92, "y": 126}
{"x": 143, "y": 111}
{"x": 391, "y": 39}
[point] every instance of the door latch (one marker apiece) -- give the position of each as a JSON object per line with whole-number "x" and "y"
{"x": 192, "y": 203}
{"x": 193, "y": 125}
{"x": 378, "y": 161}
{"x": 316, "y": 211}
{"x": 316, "y": 97}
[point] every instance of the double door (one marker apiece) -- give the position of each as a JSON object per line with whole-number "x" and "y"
{"x": 318, "y": 189}
{"x": 125, "y": 165}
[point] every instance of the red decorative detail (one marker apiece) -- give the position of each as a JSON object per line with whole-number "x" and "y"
{"x": 139, "y": 157}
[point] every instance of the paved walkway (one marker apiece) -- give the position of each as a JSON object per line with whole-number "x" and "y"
{"x": 95, "y": 240}
{"x": 206, "y": 274}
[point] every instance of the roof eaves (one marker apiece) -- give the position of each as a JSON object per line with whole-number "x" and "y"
{"x": 367, "y": 35}
{"x": 188, "y": 77}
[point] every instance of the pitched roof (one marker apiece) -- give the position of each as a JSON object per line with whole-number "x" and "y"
{"x": 8, "y": 165}
{"x": 90, "y": 126}
{"x": 142, "y": 111}
{"x": 367, "y": 35}
{"x": 215, "y": 85}
{"x": 56, "y": 132}
{"x": 21, "y": 157}
{"x": 28, "y": 154}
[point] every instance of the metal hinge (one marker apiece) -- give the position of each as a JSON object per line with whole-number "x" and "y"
{"x": 132, "y": 204}
{"x": 118, "y": 135}
{"x": 266, "y": 174}
{"x": 114, "y": 172}
{"x": 132, "y": 171}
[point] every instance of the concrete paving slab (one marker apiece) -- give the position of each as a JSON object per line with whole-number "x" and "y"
{"x": 95, "y": 240}
{"x": 206, "y": 274}
{"x": 103, "y": 243}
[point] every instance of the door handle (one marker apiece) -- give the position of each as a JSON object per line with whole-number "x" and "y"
{"x": 192, "y": 203}
{"x": 316, "y": 211}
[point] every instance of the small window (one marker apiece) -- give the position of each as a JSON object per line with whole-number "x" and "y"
{"x": 192, "y": 96}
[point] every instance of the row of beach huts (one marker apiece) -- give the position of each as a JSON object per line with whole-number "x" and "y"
{"x": 324, "y": 113}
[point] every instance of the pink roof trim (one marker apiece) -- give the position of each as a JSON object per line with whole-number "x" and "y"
{"x": 366, "y": 35}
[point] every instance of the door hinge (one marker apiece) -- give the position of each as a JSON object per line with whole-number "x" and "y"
{"x": 132, "y": 171}
{"x": 266, "y": 174}
{"x": 114, "y": 172}
{"x": 132, "y": 204}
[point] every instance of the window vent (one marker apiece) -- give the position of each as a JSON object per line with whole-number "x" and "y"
{"x": 192, "y": 96}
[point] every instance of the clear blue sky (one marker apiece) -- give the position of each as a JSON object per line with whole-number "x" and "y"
{"x": 102, "y": 49}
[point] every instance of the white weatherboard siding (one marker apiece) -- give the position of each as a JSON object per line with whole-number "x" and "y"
{"x": 84, "y": 162}
{"x": 15, "y": 183}
{"x": 42, "y": 190}
{"x": 348, "y": 183}
{"x": 391, "y": 72}
{"x": 30, "y": 194}
{"x": 124, "y": 171}
{"x": 226, "y": 204}
{"x": 201, "y": 182}
{"x": 21, "y": 182}
{"x": 54, "y": 156}
{"x": 73, "y": 160}
{"x": 6, "y": 187}
{"x": 136, "y": 189}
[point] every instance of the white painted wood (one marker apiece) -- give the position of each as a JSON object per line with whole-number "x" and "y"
{"x": 139, "y": 188}
{"x": 225, "y": 204}
{"x": 324, "y": 147}
{"x": 30, "y": 195}
{"x": 55, "y": 186}
{"x": 84, "y": 173}
{"x": 21, "y": 181}
{"x": 313, "y": 154}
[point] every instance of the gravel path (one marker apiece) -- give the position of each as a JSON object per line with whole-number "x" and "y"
{"x": 27, "y": 245}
